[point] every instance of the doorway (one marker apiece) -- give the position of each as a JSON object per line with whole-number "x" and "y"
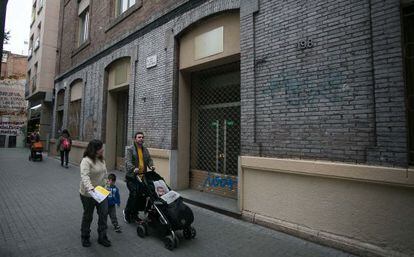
{"x": 117, "y": 125}
{"x": 121, "y": 129}
{"x": 215, "y": 129}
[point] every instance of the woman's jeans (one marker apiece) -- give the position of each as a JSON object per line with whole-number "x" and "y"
{"x": 89, "y": 205}
{"x": 64, "y": 156}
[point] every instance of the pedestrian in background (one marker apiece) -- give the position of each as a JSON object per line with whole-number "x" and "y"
{"x": 113, "y": 200}
{"x": 93, "y": 173}
{"x": 64, "y": 145}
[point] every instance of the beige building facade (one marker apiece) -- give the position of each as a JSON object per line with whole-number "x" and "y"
{"x": 41, "y": 65}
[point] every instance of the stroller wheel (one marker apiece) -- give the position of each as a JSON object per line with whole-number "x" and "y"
{"x": 142, "y": 230}
{"x": 169, "y": 242}
{"x": 189, "y": 232}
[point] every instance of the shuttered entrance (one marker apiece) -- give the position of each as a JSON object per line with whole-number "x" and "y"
{"x": 215, "y": 129}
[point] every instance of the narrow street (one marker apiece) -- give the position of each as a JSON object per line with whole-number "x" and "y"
{"x": 40, "y": 214}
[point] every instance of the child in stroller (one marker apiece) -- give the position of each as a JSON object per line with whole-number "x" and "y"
{"x": 165, "y": 211}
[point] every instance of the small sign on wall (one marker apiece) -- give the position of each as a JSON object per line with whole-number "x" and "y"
{"x": 151, "y": 61}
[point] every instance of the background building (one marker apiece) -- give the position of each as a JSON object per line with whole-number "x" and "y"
{"x": 13, "y": 116}
{"x": 295, "y": 109}
{"x": 41, "y": 65}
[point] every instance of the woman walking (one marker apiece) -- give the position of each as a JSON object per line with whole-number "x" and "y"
{"x": 63, "y": 146}
{"x": 93, "y": 173}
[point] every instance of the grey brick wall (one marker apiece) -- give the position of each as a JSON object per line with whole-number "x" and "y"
{"x": 391, "y": 131}
{"x": 323, "y": 102}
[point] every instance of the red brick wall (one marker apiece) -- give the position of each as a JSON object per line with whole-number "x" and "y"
{"x": 16, "y": 66}
{"x": 100, "y": 34}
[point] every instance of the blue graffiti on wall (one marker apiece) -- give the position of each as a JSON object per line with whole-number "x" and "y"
{"x": 219, "y": 181}
{"x": 296, "y": 90}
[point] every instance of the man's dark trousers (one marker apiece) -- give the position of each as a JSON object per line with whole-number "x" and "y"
{"x": 136, "y": 200}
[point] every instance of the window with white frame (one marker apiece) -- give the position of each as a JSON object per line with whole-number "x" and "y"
{"x": 83, "y": 27}
{"x": 123, "y": 5}
{"x": 83, "y": 13}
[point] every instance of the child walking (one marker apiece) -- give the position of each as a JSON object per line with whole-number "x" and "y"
{"x": 113, "y": 199}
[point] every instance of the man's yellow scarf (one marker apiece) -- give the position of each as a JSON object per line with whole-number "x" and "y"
{"x": 140, "y": 160}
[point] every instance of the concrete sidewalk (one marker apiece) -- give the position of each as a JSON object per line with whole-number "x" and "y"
{"x": 40, "y": 214}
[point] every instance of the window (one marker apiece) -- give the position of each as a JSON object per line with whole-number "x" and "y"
{"x": 74, "y": 110}
{"x": 123, "y": 5}
{"x": 37, "y": 41}
{"x": 83, "y": 27}
{"x": 60, "y": 100}
{"x": 34, "y": 79}
{"x": 27, "y": 84}
{"x": 30, "y": 53}
{"x": 33, "y": 14}
{"x": 40, "y": 5}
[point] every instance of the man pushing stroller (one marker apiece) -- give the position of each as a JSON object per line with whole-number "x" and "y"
{"x": 137, "y": 160}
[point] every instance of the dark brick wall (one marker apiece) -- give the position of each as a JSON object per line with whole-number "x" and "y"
{"x": 390, "y": 117}
{"x": 323, "y": 102}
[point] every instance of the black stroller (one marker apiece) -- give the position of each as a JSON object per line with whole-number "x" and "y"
{"x": 165, "y": 212}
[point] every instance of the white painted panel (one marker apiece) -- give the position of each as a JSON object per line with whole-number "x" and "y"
{"x": 209, "y": 43}
{"x": 76, "y": 91}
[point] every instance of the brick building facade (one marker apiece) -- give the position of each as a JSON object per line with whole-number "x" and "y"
{"x": 319, "y": 113}
{"x": 13, "y": 65}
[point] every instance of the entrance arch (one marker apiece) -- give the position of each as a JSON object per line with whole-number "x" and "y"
{"x": 117, "y": 88}
{"x": 209, "y": 105}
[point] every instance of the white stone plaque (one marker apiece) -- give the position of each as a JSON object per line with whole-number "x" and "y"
{"x": 151, "y": 61}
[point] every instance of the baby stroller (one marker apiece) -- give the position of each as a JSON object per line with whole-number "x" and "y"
{"x": 36, "y": 151}
{"x": 165, "y": 211}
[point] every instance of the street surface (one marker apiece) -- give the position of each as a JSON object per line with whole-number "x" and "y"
{"x": 40, "y": 215}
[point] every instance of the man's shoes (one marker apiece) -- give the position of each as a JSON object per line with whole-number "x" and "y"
{"x": 104, "y": 241}
{"x": 66, "y": 166}
{"x": 117, "y": 229}
{"x": 86, "y": 242}
{"x": 126, "y": 218}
